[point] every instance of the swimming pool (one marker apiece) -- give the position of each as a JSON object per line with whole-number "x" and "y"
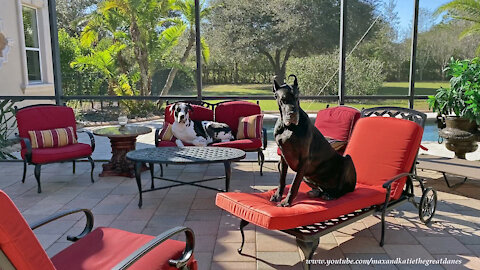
{"x": 430, "y": 133}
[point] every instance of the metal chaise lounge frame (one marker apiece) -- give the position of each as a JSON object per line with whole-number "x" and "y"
{"x": 308, "y": 237}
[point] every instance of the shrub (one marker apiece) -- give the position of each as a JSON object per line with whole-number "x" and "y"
{"x": 363, "y": 77}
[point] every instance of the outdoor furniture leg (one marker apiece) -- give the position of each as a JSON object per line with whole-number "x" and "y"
{"x": 161, "y": 169}
{"x": 454, "y": 185}
{"x": 261, "y": 160}
{"x": 73, "y": 166}
{"x": 243, "y": 223}
{"x": 24, "y": 171}
{"x": 138, "y": 171}
{"x": 228, "y": 174}
{"x": 150, "y": 166}
{"x": 92, "y": 165}
{"x": 37, "y": 176}
{"x": 308, "y": 247}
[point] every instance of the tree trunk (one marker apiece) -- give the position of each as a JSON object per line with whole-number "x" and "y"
{"x": 141, "y": 54}
{"x": 173, "y": 71}
{"x": 279, "y": 66}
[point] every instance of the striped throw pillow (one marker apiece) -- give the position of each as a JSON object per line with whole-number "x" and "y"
{"x": 250, "y": 127}
{"x": 52, "y": 137}
{"x": 167, "y": 134}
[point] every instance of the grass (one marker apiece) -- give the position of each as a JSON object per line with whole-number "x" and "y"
{"x": 389, "y": 88}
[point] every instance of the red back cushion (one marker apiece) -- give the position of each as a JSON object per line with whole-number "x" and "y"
{"x": 52, "y": 137}
{"x": 337, "y": 122}
{"x": 167, "y": 134}
{"x": 17, "y": 240}
{"x": 250, "y": 127}
{"x": 199, "y": 113}
{"x": 383, "y": 147}
{"x": 230, "y": 112}
{"x": 45, "y": 117}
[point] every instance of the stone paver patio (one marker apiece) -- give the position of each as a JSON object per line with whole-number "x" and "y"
{"x": 454, "y": 233}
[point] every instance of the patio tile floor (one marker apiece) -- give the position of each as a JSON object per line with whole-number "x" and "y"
{"x": 454, "y": 234}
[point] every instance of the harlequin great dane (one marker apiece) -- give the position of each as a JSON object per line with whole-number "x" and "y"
{"x": 198, "y": 133}
{"x": 307, "y": 152}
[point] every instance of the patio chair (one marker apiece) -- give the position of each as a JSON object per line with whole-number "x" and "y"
{"x": 336, "y": 124}
{"x": 48, "y": 134}
{"x": 384, "y": 150}
{"x": 103, "y": 248}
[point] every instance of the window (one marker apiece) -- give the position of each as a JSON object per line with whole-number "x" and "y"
{"x": 32, "y": 47}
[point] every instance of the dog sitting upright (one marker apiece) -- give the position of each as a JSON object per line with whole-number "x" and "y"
{"x": 307, "y": 152}
{"x": 198, "y": 133}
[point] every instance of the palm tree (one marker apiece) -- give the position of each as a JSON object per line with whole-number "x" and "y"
{"x": 466, "y": 10}
{"x": 187, "y": 11}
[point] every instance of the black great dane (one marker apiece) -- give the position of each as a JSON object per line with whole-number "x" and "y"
{"x": 307, "y": 152}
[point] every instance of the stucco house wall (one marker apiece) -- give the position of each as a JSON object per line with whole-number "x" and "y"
{"x": 13, "y": 62}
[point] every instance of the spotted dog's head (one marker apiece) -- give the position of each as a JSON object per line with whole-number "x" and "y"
{"x": 288, "y": 102}
{"x": 181, "y": 112}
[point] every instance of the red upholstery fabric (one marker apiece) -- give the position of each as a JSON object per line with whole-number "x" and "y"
{"x": 257, "y": 208}
{"x": 105, "y": 247}
{"x": 47, "y": 155}
{"x": 382, "y": 147}
{"x": 230, "y": 112}
{"x": 17, "y": 240}
{"x": 244, "y": 144}
{"x": 45, "y": 117}
{"x": 199, "y": 113}
{"x": 337, "y": 122}
{"x": 52, "y": 137}
{"x": 250, "y": 127}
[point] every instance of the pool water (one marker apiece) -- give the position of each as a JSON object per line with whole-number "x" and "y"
{"x": 430, "y": 133}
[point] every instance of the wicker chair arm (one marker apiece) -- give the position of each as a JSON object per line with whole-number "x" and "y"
{"x": 90, "y": 135}
{"x": 88, "y": 226}
{"x": 28, "y": 146}
{"x": 180, "y": 263}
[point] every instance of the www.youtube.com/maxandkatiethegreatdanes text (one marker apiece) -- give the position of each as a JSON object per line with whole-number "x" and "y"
{"x": 397, "y": 261}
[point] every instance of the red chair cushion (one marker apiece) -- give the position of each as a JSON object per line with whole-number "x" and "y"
{"x": 106, "y": 247}
{"x": 166, "y": 134}
{"x": 257, "y": 208}
{"x": 383, "y": 147}
{"x": 48, "y": 155}
{"x": 199, "y": 113}
{"x": 44, "y": 117}
{"x": 17, "y": 240}
{"x": 337, "y": 122}
{"x": 230, "y": 112}
{"x": 244, "y": 144}
{"x": 250, "y": 127}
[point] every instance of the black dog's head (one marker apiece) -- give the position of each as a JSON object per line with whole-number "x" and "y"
{"x": 181, "y": 111}
{"x": 288, "y": 102}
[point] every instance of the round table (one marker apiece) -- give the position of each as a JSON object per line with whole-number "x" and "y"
{"x": 122, "y": 140}
{"x": 183, "y": 155}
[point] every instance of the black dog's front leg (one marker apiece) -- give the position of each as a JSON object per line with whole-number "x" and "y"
{"x": 292, "y": 193}
{"x": 281, "y": 186}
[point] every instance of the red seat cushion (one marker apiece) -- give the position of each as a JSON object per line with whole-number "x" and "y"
{"x": 105, "y": 247}
{"x": 199, "y": 113}
{"x": 17, "y": 240}
{"x": 243, "y": 144}
{"x": 383, "y": 147}
{"x": 257, "y": 208}
{"x": 230, "y": 112}
{"x": 47, "y": 155}
{"x": 337, "y": 122}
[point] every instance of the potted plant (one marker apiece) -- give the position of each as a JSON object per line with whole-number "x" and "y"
{"x": 460, "y": 103}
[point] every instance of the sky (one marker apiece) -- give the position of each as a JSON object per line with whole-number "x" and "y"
{"x": 405, "y": 9}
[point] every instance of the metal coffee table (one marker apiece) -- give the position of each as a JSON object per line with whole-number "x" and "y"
{"x": 184, "y": 155}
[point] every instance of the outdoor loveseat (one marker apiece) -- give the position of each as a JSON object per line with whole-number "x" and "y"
{"x": 384, "y": 151}
{"x": 233, "y": 113}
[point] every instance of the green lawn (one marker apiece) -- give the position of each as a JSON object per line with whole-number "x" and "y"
{"x": 389, "y": 88}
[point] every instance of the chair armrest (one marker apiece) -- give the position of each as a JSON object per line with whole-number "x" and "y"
{"x": 180, "y": 263}
{"x": 28, "y": 146}
{"x": 157, "y": 136}
{"x": 88, "y": 226}
{"x": 396, "y": 178}
{"x": 264, "y": 135}
{"x": 92, "y": 138}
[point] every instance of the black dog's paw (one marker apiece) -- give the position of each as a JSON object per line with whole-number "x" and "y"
{"x": 276, "y": 197}
{"x": 284, "y": 203}
{"x": 314, "y": 193}
{"x": 326, "y": 197}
